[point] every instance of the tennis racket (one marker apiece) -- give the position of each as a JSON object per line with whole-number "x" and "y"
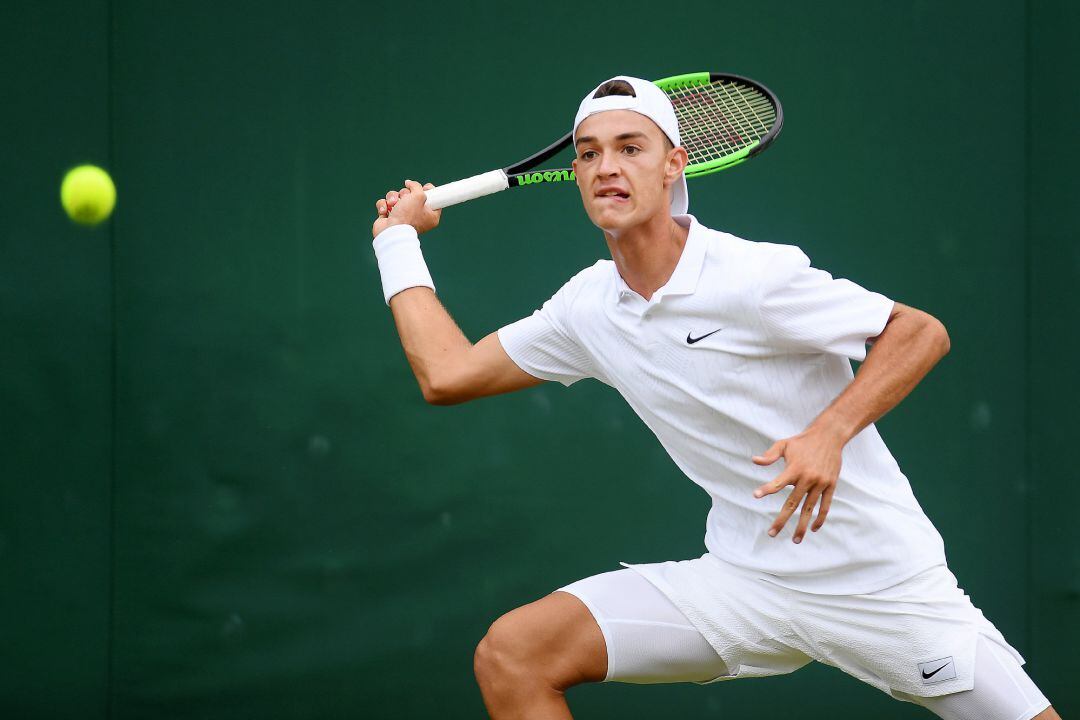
{"x": 724, "y": 120}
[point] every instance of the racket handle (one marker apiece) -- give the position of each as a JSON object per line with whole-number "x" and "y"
{"x": 461, "y": 190}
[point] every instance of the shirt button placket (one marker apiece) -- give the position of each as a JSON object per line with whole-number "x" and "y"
{"x": 648, "y": 328}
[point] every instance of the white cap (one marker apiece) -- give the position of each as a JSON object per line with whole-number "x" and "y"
{"x": 653, "y": 103}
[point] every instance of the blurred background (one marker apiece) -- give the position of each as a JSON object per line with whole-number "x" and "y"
{"x": 222, "y": 493}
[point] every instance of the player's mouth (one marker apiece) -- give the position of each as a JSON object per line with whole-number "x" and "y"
{"x": 612, "y": 194}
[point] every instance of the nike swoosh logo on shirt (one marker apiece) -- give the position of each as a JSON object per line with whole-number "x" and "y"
{"x": 927, "y": 676}
{"x": 692, "y": 340}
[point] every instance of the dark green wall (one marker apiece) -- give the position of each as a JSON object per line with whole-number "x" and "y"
{"x": 56, "y": 383}
{"x": 1053, "y": 273}
{"x": 223, "y": 494}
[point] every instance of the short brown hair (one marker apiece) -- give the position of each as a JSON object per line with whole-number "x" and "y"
{"x": 615, "y": 87}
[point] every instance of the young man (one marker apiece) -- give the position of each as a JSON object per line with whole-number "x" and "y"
{"x": 723, "y": 347}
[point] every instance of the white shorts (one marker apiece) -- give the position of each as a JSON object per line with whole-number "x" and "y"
{"x": 920, "y": 641}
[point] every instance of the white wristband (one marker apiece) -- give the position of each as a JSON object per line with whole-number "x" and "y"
{"x": 401, "y": 264}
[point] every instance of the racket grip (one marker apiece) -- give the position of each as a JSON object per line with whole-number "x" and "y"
{"x": 461, "y": 190}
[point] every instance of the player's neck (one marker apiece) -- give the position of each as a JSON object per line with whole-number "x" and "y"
{"x": 646, "y": 255}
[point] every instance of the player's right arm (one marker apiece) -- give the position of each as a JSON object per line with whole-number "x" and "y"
{"x": 448, "y": 367}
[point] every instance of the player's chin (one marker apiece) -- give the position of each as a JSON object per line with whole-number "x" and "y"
{"x": 608, "y": 215}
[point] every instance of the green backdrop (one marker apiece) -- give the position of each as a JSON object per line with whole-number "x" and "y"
{"x": 223, "y": 496}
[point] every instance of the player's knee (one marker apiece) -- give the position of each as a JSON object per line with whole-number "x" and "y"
{"x": 508, "y": 655}
{"x": 500, "y": 656}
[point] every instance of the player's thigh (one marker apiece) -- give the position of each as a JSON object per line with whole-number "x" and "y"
{"x": 553, "y": 641}
{"x": 647, "y": 638}
{"x": 1003, "y": 691}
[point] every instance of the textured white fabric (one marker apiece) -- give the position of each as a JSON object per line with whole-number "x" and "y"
{"x": 761, "y": 629}
{"x": 648, "y": 639}
{"x": 653, "y": 103}
{"x": 401, "y": 263}
{"x": 1003, "y": 691}
{"x": 780, "y": 337}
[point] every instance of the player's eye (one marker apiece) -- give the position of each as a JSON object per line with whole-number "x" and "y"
{"x": 588, "y": 155}
{"x": 631, "y": 150}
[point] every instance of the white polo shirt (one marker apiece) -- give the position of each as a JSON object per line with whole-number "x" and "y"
{"x": 745, "y": 344}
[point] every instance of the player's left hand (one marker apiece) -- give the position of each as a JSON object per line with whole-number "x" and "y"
{"x": 812, "y": 464}
{"x": 406, "y": 207}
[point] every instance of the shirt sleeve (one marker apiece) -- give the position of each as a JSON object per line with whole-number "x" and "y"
{"x": 804, "y": 309}
{"x": 543, "y": 345}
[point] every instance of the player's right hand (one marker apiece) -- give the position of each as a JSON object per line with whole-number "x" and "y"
{"x": 406, "y": 207}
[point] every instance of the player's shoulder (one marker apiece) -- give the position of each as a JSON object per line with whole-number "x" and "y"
{"x": 587, "y": 284}
{"x": 593, "y": 277}
{"x": 747, "y": 259}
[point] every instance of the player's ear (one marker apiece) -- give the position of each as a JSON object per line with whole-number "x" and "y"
{"x": 677, "y": 160}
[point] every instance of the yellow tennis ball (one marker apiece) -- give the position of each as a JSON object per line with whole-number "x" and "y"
{"x": 87, "y": 194}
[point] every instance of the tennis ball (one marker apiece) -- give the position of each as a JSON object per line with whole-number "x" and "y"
{"x": 87, "y": 194}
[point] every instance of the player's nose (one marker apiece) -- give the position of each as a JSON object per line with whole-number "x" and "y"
{"x": 609, "y": 165}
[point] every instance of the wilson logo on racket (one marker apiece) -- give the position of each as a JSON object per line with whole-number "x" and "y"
{"x": 546, "y": 176}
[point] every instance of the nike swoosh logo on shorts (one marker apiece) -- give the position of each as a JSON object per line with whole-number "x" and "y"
{"x": 927, "y": 676}
{"x": 691, "y": 341}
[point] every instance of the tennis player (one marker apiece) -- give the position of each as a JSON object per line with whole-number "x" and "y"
{"x": 735, "y": 354}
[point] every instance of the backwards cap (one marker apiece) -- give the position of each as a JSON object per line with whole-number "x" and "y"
{"x": 654, "y": 104}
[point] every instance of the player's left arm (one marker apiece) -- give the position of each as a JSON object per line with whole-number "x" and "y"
{"x": 911, "y": 343}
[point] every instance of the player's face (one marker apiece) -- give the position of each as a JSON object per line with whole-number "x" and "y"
{"x": 624, "y": 166}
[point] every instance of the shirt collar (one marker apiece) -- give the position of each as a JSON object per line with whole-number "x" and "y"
{"x": 684, "y": 278}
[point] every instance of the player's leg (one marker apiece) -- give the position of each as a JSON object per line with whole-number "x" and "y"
{"x": 1047, "y": 714}
{"x": 648, "y": 639}
{"x": 923, "y": 641}
{"x": 532, "y": 654}
{"x": 1002, "y": 690}
{"x": 614, "y": 626}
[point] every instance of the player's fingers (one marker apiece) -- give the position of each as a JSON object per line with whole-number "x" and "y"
{"x": 771, "y": 455}
{"x": 779, "y": 482}
{"x": 826, "y": 501}
{"x": 790, "y": 505}
{"x": 380, "y": 207}
{"x": 418, "y": 188}
{"x": 391, "y": 199}
{"x": 806, "y": 514}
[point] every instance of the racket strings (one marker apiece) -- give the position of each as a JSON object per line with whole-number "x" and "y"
{"x": 723, "y": 118}
{"x": 718, "y": 119}
{"x": 720, "y": 125}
